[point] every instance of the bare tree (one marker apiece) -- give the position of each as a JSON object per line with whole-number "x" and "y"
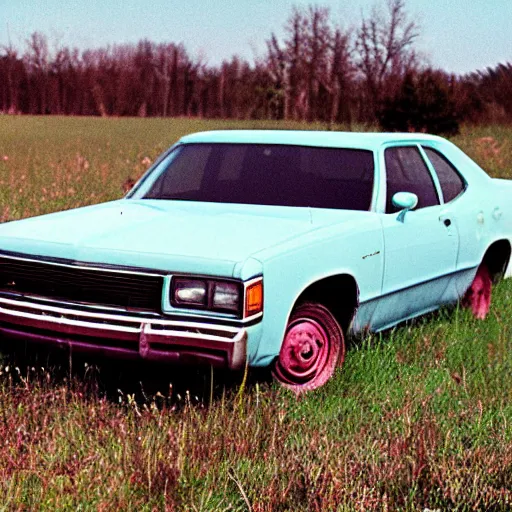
{"x": 384, "y": 45}
{"x": 287, "y": 63}
{"x": 340, "y": 79}
{"x": 37, "y": 58}
{"x": 12, "y": 80}
{"x": 318, "y": 55}
{"x": 276, "y": 69}
{"x": 300, "y": 65}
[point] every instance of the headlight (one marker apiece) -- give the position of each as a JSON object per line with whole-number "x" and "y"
{"x": 226, "y": 296}
{"x": 190, "y": 292}
{"x": 210, "y": 294}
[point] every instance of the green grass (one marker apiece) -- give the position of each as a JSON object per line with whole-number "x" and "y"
{"x": 418, "y": 417}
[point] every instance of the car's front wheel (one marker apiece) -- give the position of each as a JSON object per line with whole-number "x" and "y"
{"x": 313, "y": 346}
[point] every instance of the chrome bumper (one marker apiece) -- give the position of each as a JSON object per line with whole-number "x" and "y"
{"x": 128, "y": 335}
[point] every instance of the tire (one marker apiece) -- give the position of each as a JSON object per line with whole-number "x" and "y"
{"x": 313, "y": 346}
{"x": 478, "y": 296}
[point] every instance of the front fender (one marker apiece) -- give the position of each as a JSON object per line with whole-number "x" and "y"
{"x": 288, "y": 273}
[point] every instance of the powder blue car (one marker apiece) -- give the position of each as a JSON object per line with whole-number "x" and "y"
{"x": 261, "y": 248}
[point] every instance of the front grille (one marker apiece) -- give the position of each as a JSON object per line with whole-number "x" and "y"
{"x": 80, "y": 284}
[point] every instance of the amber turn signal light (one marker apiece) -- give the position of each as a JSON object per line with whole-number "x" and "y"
{"x": 254, "y": 299}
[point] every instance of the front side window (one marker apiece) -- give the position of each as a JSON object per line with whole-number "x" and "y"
{"x": 407, "y": 172}
{"x": 452, "y": 184}
{"x": 268, "y": 174}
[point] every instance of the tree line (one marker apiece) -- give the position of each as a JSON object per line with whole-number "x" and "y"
{"x": 318, "y": 71}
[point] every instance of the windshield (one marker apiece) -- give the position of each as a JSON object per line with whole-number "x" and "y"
{"x": 267, "y": 174}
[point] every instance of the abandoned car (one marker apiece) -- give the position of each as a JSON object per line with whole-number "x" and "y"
{"x": 261, "y": 248}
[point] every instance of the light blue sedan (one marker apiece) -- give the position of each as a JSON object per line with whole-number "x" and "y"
{"x": 261, "y": 248}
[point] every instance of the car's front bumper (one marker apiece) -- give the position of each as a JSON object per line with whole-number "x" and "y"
{"x": 128, "y": 335}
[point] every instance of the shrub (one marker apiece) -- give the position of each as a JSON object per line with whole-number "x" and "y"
{"x": 424, "y": 103}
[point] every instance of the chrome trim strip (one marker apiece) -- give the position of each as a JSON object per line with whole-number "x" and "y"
{"x": 252, "y": 318}
{"x": 88, "y": 320}
{"x": 141, "y": 314}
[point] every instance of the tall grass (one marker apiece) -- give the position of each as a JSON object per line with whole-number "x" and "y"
{"x": 419, "y": 417}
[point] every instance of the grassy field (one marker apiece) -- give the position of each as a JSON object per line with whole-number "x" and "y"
{"x": 418, "y": 418}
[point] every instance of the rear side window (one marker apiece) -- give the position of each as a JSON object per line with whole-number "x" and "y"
{"x": 407, "y": 172}
{"x": 452, "y": 184}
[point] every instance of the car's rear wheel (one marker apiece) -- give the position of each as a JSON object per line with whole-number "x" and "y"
{"x": 478, "y": 296}
{"x": 313, "y": 345}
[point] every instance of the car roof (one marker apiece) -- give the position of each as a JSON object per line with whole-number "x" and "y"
{"x": 352, "y": 140}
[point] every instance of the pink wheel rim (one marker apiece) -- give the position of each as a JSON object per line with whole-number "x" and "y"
{"x": 304, "y": 353}
{"x": 478, "y": 296}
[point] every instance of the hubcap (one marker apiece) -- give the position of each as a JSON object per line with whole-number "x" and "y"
{"x": 304, "y": 353}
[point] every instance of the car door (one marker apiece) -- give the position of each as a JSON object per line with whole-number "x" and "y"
{"x": 469, "y": 216}
{"x": 421, "y": 246}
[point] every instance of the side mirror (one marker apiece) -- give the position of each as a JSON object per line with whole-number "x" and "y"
{"x": 405, "y": 201}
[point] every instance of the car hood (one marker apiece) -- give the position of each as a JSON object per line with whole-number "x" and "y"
{"x": 208, "y": 238}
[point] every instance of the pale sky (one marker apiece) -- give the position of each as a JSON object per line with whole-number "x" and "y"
{"x": 456, "y": 35}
